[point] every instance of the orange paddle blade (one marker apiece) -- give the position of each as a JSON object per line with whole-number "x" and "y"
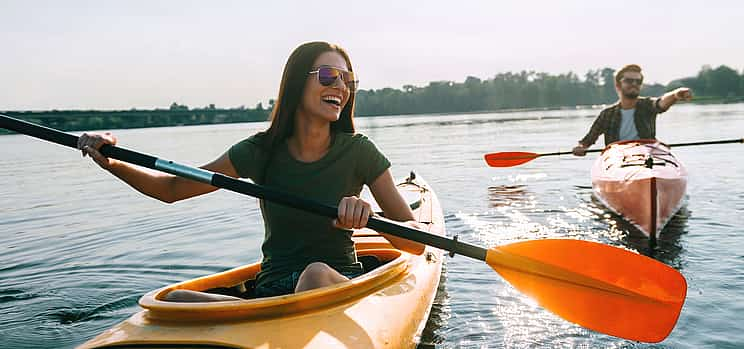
{"x": 603, "y": 288}
{"x": 509, "y": 158}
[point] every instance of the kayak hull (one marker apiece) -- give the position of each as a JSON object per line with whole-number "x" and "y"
{"x": 642, "y": 182}
{"x": 384, "y": 308}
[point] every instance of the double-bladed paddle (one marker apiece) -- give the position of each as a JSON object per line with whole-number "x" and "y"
{"x": 514, "y": 158}
{"x": 603, "y": 288}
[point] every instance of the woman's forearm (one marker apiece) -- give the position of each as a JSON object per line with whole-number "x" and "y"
{"x": 162, "y": 186}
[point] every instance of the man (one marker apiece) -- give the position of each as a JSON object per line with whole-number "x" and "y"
{"x": 632, "y": 117}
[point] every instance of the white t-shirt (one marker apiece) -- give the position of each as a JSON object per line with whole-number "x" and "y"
{"x": 627, "y": 125}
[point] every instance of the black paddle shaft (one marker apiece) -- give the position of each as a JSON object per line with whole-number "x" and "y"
{"x": 725, "y": 141}
{"x": 226, "y": 182}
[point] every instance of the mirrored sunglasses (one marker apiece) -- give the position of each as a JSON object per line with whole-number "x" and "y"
{"x": 327, "y": 76}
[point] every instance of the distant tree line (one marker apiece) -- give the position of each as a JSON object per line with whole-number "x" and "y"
{"x": 526, "y": 89}
{"x": 721, "y": 82}
{"x": 176, "y": 115}
{"x": 529, "y": 89}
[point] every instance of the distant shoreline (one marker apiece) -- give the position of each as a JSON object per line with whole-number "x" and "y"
{"x": 83, "y": 120}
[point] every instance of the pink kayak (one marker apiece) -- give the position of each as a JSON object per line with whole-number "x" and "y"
{"x": 642, "y": 181}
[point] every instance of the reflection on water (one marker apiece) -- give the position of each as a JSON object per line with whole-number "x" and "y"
{"x": 440, "y": 313}
{"x": 467, "y": 121}
{"x": 507, "y": 195}
{"x": 668, "y": 246}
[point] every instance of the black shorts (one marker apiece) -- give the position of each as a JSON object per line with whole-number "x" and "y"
{"x": 288, "y": 283}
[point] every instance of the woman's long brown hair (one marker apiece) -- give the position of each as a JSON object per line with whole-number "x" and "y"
{"x": 292, "y": 87}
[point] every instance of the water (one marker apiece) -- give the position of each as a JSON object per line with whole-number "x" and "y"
{"x": 78, "y": 247}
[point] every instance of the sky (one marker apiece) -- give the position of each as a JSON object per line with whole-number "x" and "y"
{"x": 113, "y": 55}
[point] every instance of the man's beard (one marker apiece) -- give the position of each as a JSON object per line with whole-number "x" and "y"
{"x": 631, "y": 94}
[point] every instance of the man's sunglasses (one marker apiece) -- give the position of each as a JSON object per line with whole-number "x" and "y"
{"x": 327, "y": 76}
{"x": 631, "y": 81}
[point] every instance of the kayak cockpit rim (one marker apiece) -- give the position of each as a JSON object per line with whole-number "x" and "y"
{"x": 397, "y": 264}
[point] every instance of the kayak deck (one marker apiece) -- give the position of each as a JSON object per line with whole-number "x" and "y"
{"x": 641, "y": 181}
{"x": 383, "y": 308}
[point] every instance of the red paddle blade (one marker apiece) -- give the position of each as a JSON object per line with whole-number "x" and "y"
{"x": 603, "y": 288}
{"x": 509, "y": 158}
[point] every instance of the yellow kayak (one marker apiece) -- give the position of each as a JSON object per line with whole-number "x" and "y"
{"x": 386, "y": 307}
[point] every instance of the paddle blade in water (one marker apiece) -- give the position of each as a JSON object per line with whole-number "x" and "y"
{"x": 509, "y": 159}
{"x": 603, "y": 288}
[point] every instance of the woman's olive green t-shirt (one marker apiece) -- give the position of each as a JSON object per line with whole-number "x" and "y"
{"x": 295, "y": 238}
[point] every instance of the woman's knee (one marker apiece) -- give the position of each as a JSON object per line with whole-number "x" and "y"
{"x": 317, "y": 275}
{"x": 317, "y": 270}
{"x": 179, "y": 296}
{"x": 188, "y": 296}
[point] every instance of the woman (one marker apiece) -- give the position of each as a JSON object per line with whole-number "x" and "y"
{"x": 310, "y": 149}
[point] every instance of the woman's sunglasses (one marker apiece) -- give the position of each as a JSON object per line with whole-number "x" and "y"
{"x": 327, "y": 76}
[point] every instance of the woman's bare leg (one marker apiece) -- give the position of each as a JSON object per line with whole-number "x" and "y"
{"x": 318, "y": 275}
{"x": 188, "y": 296}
